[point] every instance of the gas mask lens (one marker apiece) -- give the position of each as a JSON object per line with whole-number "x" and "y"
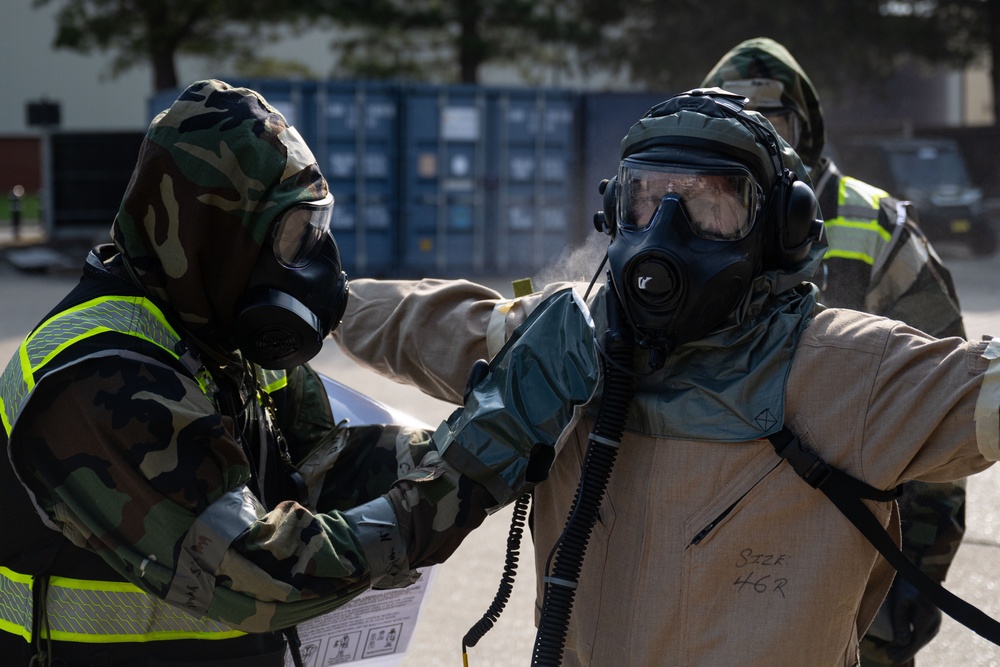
{"x": 299, "y": 231}
{"x": 721, "y": 205}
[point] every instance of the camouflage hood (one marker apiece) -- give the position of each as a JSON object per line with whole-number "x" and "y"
{"x": 764, "y": 58}
{"x": 214, "y": 171}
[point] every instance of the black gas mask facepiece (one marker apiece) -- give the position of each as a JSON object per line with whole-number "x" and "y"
{"x": 686, "y": 249}
{"x": 297, "y": 292}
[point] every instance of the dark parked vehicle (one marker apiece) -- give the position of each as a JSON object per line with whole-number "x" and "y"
{"x": 932, "y": 174}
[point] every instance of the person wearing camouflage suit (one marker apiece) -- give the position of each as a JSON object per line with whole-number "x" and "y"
{"x": 878, "y": 261}
{"x": 170, "y": 500}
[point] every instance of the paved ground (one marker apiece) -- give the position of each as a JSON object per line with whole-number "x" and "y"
{"x": 464, "y": 586}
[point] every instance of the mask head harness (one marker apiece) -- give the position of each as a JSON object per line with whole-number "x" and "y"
{"x": 297, "y": 291}
{"x": 701, "y": 205}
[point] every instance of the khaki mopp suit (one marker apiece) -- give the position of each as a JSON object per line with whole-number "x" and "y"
{"x": 708, "y": 549}
{"x": 878, "y": 260}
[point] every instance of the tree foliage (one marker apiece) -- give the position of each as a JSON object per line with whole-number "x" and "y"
{"x": 657, "y": 44}
{"x": 959, "y": 32}
{"x": 450, "y": 40}
{"x": 841, "y": 43}
{"x": 661, "y": 44}
{"x": 155, "y": 32}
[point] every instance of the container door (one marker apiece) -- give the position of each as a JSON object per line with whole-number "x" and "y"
{"x": 359, "y": 157}
{"x": 444, "y": 158}
{"x": 535, "y": 172}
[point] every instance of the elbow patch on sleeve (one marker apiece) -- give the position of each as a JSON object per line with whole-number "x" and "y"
{"x": 206, "y": 543}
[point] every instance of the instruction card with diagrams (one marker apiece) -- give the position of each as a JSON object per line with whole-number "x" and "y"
{"x": 372, "y": 630}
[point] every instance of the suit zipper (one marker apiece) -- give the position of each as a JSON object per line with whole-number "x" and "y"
{"x": 703, "y": 533}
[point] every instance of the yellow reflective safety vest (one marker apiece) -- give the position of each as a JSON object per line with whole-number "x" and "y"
{"x": 854, "y": 232}
{"x": 878, "y": 260}
{"x": 95, "y": 610}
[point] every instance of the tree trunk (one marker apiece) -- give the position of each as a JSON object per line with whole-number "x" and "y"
{"x": 470, "y": 45}
{"x": 162, "y": 47}
{"x": 164, "y": 70}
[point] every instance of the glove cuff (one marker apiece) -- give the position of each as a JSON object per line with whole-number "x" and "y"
{"x": 377, "y": 528}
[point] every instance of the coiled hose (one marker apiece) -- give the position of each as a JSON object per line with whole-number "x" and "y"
{"x": 500, "y": 600}
{"x": 602, "y": 450}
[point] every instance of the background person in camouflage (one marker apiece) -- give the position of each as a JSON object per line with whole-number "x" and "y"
{"x": 151, "y": 459}
{"x": 879, "y": 261}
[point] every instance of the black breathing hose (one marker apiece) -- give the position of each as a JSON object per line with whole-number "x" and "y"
{"x": 602, "y": 450}
{"x": 484, "y": 625}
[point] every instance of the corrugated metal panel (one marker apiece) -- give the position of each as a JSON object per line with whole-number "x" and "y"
{"x": 358, "y": 153}
{"x": 456, "y": 180}
{"x": 444, "y": 160}
{"x": 533, "y": 137}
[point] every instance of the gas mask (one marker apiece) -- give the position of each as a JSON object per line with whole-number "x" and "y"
{"x": 297, "y": 292}
{"x": 702, "y": 204}
{"x": 687, "y": 245}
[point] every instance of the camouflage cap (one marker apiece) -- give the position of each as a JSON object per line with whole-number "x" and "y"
{"x": 764, "y": 71}
{"x": 214, "y": 171}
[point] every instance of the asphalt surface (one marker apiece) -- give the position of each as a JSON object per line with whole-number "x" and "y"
{"x": 464, "y": 586}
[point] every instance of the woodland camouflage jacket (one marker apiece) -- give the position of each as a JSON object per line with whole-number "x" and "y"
{"x": 160, "y": 471}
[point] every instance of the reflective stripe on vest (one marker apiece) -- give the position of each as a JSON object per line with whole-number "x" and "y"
{"x": 89, "y": 610}
{"x": 99, "y": 612}
{"x": 855, "y": 232}
{"x": 135, "y": 316}
{"x": 272, "y": 380}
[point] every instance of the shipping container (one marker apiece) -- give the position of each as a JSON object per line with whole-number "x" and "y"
{"x": 456, "y": 180}
{"x": 357, "y": 150}
{"x": 489, "y": 178}
{"x": 443, "y": 197}
{"x": 533, "y": 161}
{"x": 606, "y": 119}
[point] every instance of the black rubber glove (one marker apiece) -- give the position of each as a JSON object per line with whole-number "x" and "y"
{"x": 915, "y": 621}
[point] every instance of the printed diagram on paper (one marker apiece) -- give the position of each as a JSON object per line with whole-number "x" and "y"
{"x": 374, "y": 629}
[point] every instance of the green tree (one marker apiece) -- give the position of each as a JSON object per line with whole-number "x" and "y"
{"x": 845, "y": 45}
{"x": 450, "y": 40}
{"x": 155, "y": 32}
{"x": 670, "y": 44}
{"x": 657, "y": 44}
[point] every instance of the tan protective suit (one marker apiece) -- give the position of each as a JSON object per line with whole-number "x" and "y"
{"x": 710, "y": 553}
